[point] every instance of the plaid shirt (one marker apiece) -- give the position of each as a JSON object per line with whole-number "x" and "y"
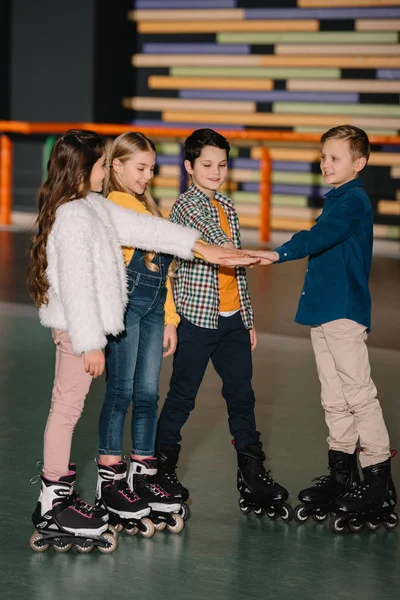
{"x": 196, "y": 289}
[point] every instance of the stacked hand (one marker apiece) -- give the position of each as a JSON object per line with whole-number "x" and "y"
{"x": 265, "y": 257}
{"x": 226, "y": 256}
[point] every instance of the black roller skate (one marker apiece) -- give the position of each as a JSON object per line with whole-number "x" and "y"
{"x": 319, "y": 500}
{"x": 125, "y": 508}
{"x": 143, "y": 480}
{"x": 63, "y": 520}
{"x": 371, "y": 503}
{"x": 167, "y": 457}
{"x": 258, "y": 491}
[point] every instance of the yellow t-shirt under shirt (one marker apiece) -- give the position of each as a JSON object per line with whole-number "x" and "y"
{"x": 228, "y": 288}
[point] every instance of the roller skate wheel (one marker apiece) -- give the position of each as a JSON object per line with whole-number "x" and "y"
{"x": 119, "y": 527}
{"x": 83, "y": 549}
{"x": 178, "y": 525}
{"x": 132, "y": 530}
{"x": 299, "y": 514}
{"x": 160, "y": 526}
{"x": 373, "y": 526}
{"x": 113, "y": 530}
{"x": 355, "y": 526}
{"x": 259, "y": 512}
{"x": 286, "y": 512}
{"x": 243, "y": 506}
{"x": 272, "y": 513}
{"x": 112, "y": 543}
{"x": 60, "y": 547}
{"x": 148, "y": 529}
{"x": 184, "y": 512}
{"x": 35, "y": 542}
{"x": 320, "y": 516}
{"x": 391, "y": 521}
{"x": 338, "y": 524}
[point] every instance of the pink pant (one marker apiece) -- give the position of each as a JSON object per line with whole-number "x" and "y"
{"x": 71, "y": 386}
{"x": 348, "y": 394}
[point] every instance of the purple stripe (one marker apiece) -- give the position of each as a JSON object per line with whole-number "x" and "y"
{"x": 245, "y": 163}
{"x": 388, "y": 74}
{"x": 322, "y": 13}
{"x": 296, "y": 190}
{"x": 274, "y": 96}
{"x": 298, "y": 167}
{"x": 196, "y": 48}
{"x": 154, "y": 123}
{"x": 166, "y": 4}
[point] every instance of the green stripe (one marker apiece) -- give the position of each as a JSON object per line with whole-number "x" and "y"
{"x": 297, "y": 178}
{"x": 376, "y": 110}
{"x": 168, "y": 148}
{"x": 263, "y": 72}
{"x": 309, "y": 37}
{"x": 47, "y": 147}
{"x": 276, "y": 199}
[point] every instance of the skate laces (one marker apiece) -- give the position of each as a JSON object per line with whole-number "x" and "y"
{"x": 126, "y": 491}
{"x": 33, "y": 480}
{"x": 80, "y": 505}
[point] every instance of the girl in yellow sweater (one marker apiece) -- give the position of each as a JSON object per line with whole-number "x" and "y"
{"x": 133, "y": 358}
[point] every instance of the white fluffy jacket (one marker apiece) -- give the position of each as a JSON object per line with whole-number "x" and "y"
{"x": 86, "y": 271}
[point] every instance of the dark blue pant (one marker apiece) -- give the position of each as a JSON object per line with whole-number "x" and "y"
{"x": 230, "y": 352}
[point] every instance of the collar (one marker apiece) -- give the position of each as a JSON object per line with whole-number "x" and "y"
{"x": 342, "y": 189}
{"x": 194, "y": 191}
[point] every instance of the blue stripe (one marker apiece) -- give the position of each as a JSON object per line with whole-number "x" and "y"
{"x": 196, "y": 48}
{"x": 188, "y": 125}
{"x": 166, "y": 4}
{"x": 297, "y": 190}
{"x": 298, "y": 167}
{"x": 273, "y": 96}
{"x": 322, "y": 13}
{"x": 388, "y": 74}
{"x": 245, "y": 163}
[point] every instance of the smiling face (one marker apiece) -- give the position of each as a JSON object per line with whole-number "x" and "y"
{"x": 337, "y": 164}
{"x": 97, "y": 174}
{"x": 136, "y": 172}
{"x": 209, "y": 170}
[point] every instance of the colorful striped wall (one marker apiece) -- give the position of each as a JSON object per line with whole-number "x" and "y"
{"x": 301, "y": 66}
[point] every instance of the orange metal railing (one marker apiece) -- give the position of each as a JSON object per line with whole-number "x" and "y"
{"x": 107, "y": 129}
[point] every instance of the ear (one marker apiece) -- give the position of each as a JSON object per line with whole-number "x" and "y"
{"x": 360, "y": 164}
{"x": 188, "y": 167}
{"x": 117, "y": 165}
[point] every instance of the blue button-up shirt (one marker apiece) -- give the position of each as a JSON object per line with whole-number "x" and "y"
{"x": 340, "y": 251}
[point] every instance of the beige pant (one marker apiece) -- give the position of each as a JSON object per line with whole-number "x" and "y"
{"x": 348, "y": 394}
{"x": 71, "y": 385}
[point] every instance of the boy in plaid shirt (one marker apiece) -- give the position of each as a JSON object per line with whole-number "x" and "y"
{"x": 217, "y": 324}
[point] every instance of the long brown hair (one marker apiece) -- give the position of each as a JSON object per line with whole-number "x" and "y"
{"x": 123, "y": 148}
{"x": 69, "y": 168}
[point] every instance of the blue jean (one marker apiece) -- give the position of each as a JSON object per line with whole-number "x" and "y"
{"x": 133, "y": 364}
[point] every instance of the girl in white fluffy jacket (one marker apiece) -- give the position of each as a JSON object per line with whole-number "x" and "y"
{"x": 77, "y": 280}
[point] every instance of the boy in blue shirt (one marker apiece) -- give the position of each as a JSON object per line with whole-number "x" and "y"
{"x": 336, "y": 303}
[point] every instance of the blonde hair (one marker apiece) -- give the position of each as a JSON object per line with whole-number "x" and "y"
{"x": 123, "y": 148}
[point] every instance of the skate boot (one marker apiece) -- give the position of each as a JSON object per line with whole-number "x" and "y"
{"x": 63, "y": 520}
{"x": 370, "y": 503}
{"x": 167, "y": 457}
{"x": 143, "y": 480}
{"x": 318, "y": 500}
{"x": 125, "y": 508}
{"x": 258, "y": 491}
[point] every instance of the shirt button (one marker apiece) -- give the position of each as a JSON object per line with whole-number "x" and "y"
{"x": 303, "y": 293}
{"x": 285, "y": 254}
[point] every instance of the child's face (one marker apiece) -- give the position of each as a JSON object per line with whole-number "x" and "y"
{"x": 136, "y": 173}
{"x": 209, "y": 170}
{"x": 337, "y": 164}
{"x": 98, "y": 173}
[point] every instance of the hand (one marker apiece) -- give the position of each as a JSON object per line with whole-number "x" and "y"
{"x": 267, "y": 257}
{"x": 253, "y": 338}
{"x": 227, "y": 257}
{"x": 94, "y": 362}
{"x": 170, "y": 340}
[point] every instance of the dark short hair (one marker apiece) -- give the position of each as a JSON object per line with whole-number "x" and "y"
{"x": 357, "y": 138}
{"x": 196, "y": 141}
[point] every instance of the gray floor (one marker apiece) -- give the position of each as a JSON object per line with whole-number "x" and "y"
{"x": 221, "y": 554}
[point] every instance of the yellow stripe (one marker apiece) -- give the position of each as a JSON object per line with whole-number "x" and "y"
{"x": 346, "y": 3}
{"x": 381, "y": 159}
{"x": 389, "y": 207}
{"x": 234, "y": 14}
{"x": 159, "y": 104}
{"x": 161, "y": 82}
{"x": 330, "y": 61}
{"x": 343, "y": 85}
{"x": 265, "y": 119}
{"x": 395, "y": 172}
{"x": 191, "y": 60}
{"x": 359, "y": 50}
{"x": 377, "y": 25}
{"x": 213, "y": 26}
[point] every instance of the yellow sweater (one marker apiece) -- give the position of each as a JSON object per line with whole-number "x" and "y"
{"x": 129, "y": 201}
